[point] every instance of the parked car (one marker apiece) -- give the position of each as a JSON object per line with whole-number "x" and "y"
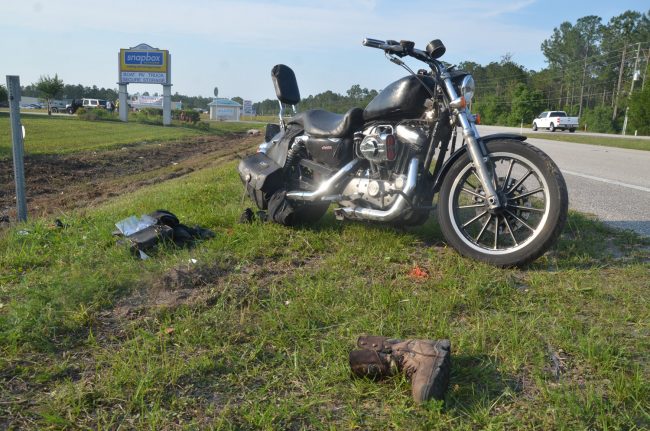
{"x": 72, "y": 107}
{"x": 553, "y": 120}
{"x": 57, "y": 105}
{"x": 86, "y": 103}
{"x": 90, "y": 103}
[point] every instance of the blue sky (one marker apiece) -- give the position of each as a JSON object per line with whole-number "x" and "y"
{"x": 233, "y": 44}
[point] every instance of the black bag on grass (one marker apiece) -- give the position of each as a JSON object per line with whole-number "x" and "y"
{"x": 167, "y": 228}
{"x": 147, "y": 238}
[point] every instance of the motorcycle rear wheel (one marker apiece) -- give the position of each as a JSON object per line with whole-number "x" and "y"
{"x": 534, "y": 191}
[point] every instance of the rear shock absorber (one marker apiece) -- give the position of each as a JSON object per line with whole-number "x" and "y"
{"x": 293, "y": 155}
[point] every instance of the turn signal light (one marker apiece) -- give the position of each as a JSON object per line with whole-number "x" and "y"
{"x": 459, "y": 103}
{"x": 477, "y": 119}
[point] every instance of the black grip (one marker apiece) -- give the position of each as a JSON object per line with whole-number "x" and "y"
{"x": 373, "y": 43}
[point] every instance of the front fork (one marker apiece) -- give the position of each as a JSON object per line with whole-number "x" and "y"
{"x": 480, "y": 159}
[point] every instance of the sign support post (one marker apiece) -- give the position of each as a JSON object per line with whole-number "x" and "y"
{"x": 167, "y": 104}
{"x": 124, "y": 103}
{"x": 13, "y": 88}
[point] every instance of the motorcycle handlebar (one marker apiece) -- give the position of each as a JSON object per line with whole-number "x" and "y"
{"x": 373, "y": 43}
{"x": 386, "y": 46}
{"x": 396, "y": 48}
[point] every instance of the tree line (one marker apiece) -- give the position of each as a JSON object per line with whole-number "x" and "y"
{"x": 328, "y": 100}
{"x": 595, "y": 71}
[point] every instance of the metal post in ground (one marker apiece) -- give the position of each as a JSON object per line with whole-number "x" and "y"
{"x": 13, "y": 88}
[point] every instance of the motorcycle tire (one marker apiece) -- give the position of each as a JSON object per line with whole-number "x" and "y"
{"x": 310, "y": 213}
{"x": 536, "y": 199}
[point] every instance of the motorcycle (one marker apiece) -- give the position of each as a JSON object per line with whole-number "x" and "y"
{"x": 500, "y": 200}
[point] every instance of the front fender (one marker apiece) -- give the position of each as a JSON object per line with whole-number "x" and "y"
{"x": 495, "y": 136}
{"x": 437, "y": 182}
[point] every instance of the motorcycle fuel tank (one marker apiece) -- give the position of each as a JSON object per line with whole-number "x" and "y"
{"x": 403, "y": 98}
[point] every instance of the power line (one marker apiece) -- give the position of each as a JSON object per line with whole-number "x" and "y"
{"x": 549, "y": 74}
{"x": 595, "y": 59}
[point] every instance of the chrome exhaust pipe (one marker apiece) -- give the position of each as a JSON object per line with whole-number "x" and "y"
{"x": 325, "y": 187}
{"x": 396, "y": 209}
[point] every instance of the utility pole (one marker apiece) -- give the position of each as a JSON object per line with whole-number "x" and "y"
{"x": 634, "y": 78}
{"x": 636, "y": 63}
{"x": 646, "y": 54}
{"x": 582, "y": 86}
{"x": 618, "y": 87}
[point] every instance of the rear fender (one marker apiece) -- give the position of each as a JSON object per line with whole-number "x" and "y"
{"x": 437, "y": 182}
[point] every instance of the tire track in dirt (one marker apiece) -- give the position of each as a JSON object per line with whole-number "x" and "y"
{"x": 57, "y": 183}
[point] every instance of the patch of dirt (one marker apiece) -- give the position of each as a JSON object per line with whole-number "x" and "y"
{"x": 180, "y": 285}
{"x": 204, "y": 285}
{"x": 57, "y": 183}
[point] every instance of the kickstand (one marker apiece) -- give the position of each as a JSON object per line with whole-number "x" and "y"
{"x": 243, "y": 196}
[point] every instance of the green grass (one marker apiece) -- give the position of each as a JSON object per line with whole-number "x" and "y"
{"x": 605, "y": 141}
{"x": 256, "y": 333}
{"x": 63, "y": 135}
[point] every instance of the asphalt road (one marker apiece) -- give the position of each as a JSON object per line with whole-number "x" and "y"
{"x": 612, "y": 183}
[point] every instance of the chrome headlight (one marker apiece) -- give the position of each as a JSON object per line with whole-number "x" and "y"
{"x": 467, "y": 88}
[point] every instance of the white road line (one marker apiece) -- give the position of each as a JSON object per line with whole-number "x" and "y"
{"x": 605, "y": 180}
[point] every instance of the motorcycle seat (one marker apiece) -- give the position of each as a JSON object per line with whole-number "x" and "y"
{"x": 324, "y": 124}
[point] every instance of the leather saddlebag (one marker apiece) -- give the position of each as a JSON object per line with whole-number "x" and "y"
{"x": 262, "y": 177}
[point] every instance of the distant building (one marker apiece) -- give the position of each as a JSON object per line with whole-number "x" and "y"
{"x": 224, "y": 109}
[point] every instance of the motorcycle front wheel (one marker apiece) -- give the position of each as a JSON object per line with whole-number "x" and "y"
{"x": 535, "y": 206}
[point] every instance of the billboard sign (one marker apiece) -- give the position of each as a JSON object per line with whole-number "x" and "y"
{"x": 156, "y": 101}
{"x": 248, "y": 107}
{"x": 143, "y": 77}
{"x": 145, "y": 65}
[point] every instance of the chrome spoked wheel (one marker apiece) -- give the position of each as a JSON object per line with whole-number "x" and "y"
{"x": 520, "y": 186}
{"x": 534, "y": 209}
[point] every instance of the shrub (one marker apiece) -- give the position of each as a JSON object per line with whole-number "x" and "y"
{"x": 187, "y": 116}
{"x": 203, "y": 125}
{"x": 489, "y": 108}
{"x": 598, "y": 119}
{"x": 639, "y": 113}
{"x": 152, "y": 112}
{"x": 148, "y": 116}
{"x": 95, "y": 114}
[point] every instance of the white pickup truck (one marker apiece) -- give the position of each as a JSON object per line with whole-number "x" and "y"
{"x": 553, "y": 120}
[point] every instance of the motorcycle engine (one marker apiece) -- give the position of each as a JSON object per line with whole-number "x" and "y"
{"x": 377, "y": 144}
{"x": 385, "y": 143}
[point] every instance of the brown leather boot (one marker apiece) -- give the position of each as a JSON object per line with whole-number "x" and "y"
{"x": 374, "y": 360}
{"x": 426, "y": 362}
